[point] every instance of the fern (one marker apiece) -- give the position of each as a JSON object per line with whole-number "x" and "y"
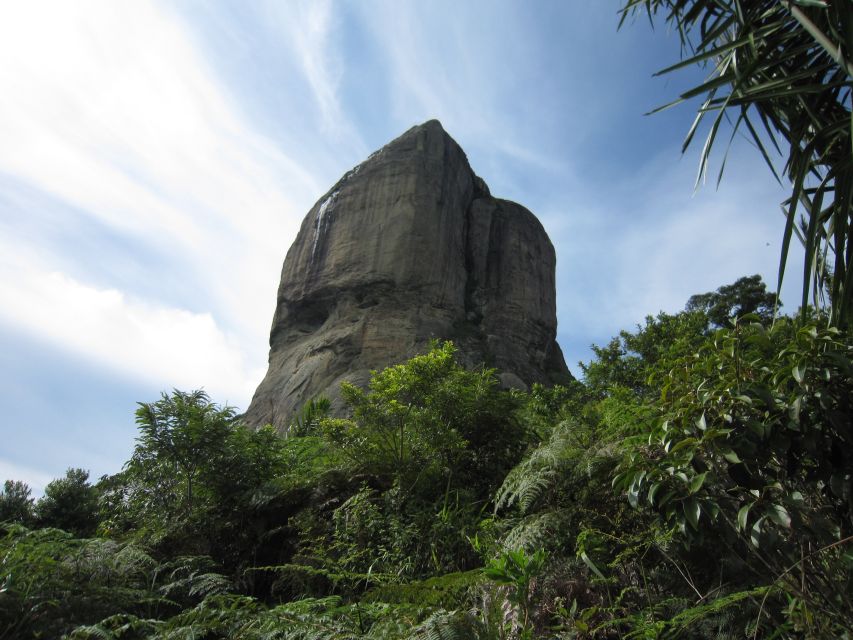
{"x": 449, "y": 625}
{"x": 539, "y": 471}
{"x": 191, "y": 577}
{"x": 538, "y": 531}
{"x": 124, "y": 626}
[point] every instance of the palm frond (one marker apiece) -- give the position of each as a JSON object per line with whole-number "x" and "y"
{"x": 786, "y": 66}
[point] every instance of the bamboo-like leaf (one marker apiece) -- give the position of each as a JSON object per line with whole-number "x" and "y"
{"x": 589, "y": 563}
{"x": 789, "y": 63}
{"x": 743, "y": 516}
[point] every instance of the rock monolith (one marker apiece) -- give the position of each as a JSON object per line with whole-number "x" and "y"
{"x": 408, "y": 247}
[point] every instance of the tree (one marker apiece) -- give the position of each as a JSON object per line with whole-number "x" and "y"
{"x": 16, "y": 505}
{"x": 628, "y": 359}
{"x": 179, "y": 435}
{"x": 198, "y": 482}
{"x": 430, "y": 418}
{"x": 748, "y": 295}
{"x": 70, "y": 503}
{"x": 308, "y": 419}
{"x": 781, "y": 70}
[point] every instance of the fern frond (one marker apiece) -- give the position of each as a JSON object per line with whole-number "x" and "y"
{"x": 448, "y": 625}
{"x": 537, "y": 531}
{"x": 539, "y": 471}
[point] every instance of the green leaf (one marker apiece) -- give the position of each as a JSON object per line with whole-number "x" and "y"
{"x": 692, "y": 510}
{"x": 697, "y": 482}
{"x": 652, "y": 491}
{"x": 700, "y": 422}
{"x": 588, "y": 562}
{"x": 838, "y": 485}
{"x": 683, "y": 443}
{"x": 779, "y": 515}
{"x": 798, "y": 373}
{"x": 731, "y": 456}
{"x": 633, "y": 495}
{"x": 755, "y": 532}
{"x": 743, "y": 516}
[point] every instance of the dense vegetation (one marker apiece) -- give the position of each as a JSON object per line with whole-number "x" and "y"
{"x": 698, "y": 483}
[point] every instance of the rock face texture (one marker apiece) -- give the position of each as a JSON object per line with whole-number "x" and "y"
{"x": 407, "y": 247}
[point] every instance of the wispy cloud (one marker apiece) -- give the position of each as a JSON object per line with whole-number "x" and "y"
{"x": 109, "y": 109}
{"x": 464, "y": 66}
{"x": 312, "y": 31}
{"x": 649, "y": 244}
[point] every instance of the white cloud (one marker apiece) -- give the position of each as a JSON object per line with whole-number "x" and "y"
{"x": 166, "y": 346}
{"x": 109, "y": 108}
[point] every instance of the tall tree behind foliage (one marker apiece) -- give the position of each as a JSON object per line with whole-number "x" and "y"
{"x": 179, "y": 435}
{"x": 193, "y": 476}
{"x": 781, "y": 70}
{"x": 16, "y": 505}
{"x": 748, "y": 295}
{"x": 70, "y": 504}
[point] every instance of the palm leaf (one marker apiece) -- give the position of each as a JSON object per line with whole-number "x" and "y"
{"x": 788, "y": 65}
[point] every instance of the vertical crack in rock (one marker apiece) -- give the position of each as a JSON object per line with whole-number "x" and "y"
{"x": 409, "y": 246}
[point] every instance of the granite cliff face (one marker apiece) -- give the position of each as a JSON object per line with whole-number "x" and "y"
{"x": 407, "y": 247}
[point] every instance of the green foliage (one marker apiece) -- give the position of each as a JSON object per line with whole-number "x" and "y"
{"x": 329, "y": 618}
{"x": 753, "y": 444}
{"x": 16, "y": 505}
{"x": 427, "y": 443}
{"x": 308, "y": 421}
{"x": 449, "y": 591}
{"x": 70, "y": 503}
{"x": 428, "y": 419}
{"x": 198, "y": 481}
{"x": 650, "y": 573}
{"x": 631, "y": 359}
{"x": 52, "y": 582}
{"x": 732, "y": 447}
{"x": 178, "y": 436}
{"x": 781, "y": 70}
{"x": 423, "y": 450}
{"x": 388, "y": 536}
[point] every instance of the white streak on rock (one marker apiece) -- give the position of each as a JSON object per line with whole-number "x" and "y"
{"x": 318, "y": 228}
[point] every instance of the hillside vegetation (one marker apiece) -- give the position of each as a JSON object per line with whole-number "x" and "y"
{"x": 695, "y": 484}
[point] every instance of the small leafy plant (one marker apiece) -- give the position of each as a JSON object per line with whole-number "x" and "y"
{"x": 517, "y": 569}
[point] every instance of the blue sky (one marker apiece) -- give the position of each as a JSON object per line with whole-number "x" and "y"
{"x": 158, "y": 157}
